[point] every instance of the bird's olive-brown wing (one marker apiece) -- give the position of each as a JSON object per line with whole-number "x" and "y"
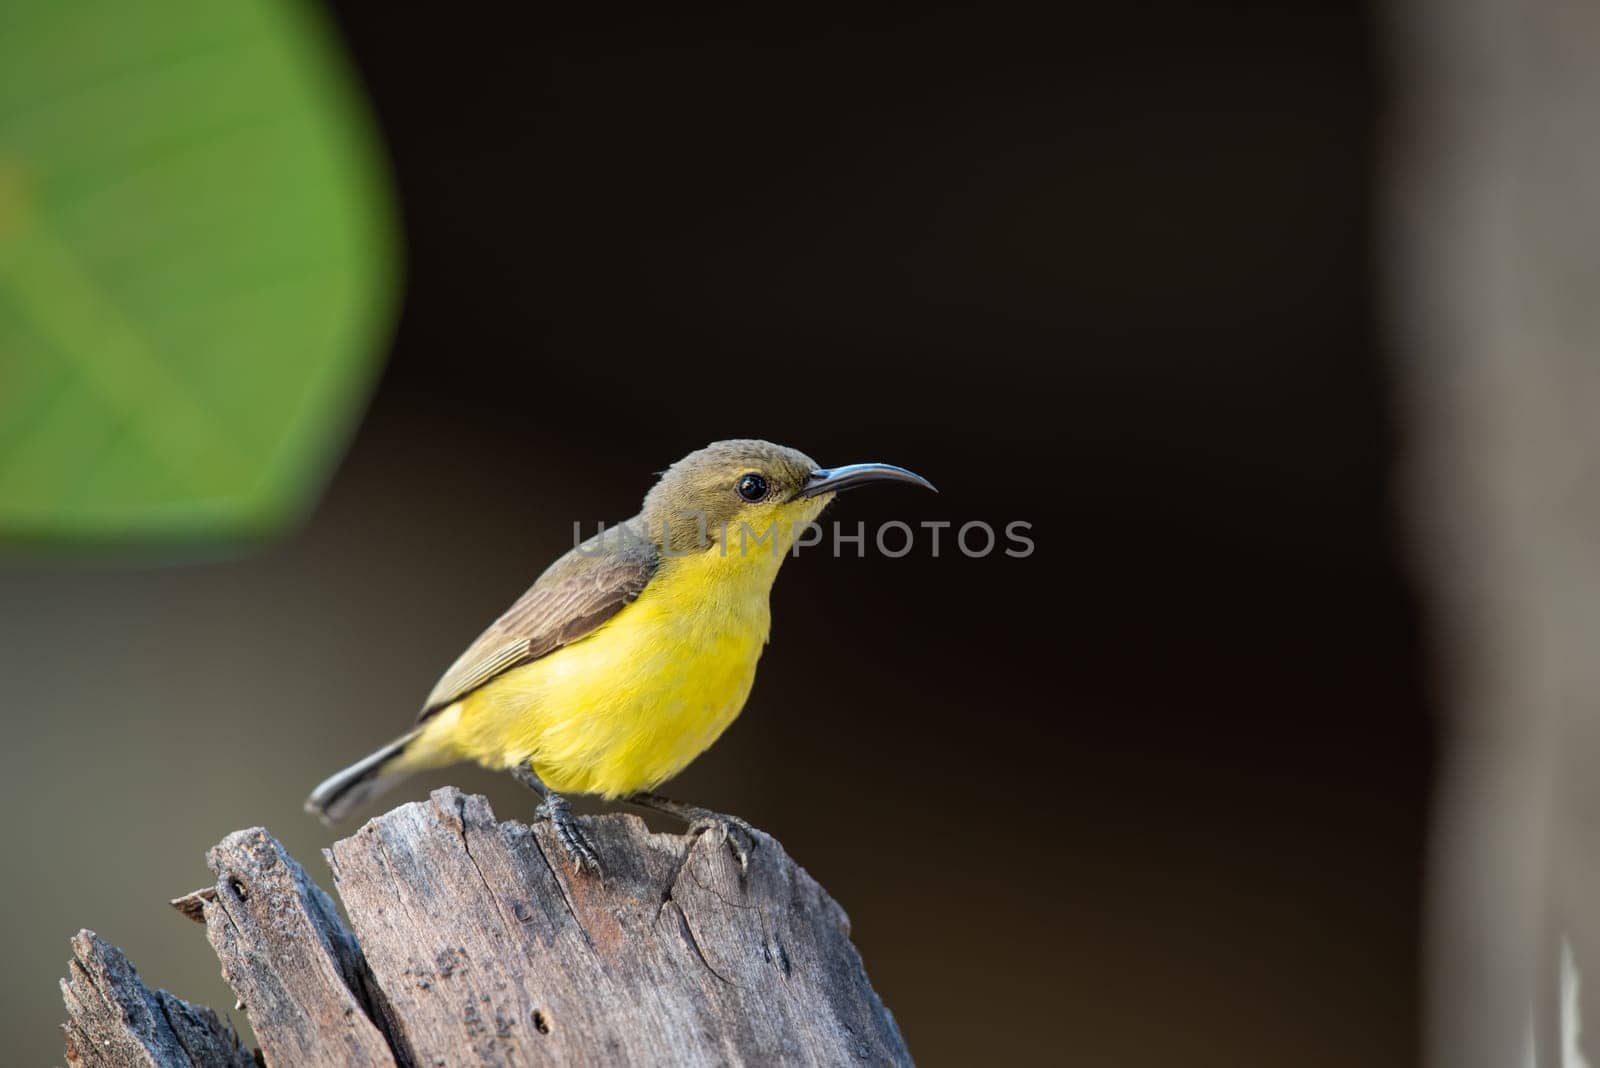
{"x": 575, "y": 595}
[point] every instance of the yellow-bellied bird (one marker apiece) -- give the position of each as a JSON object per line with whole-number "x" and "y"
{"x": 632, "y": 653}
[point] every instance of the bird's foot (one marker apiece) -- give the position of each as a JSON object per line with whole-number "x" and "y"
{"x": 554, "y": 808}
{"x": 738, "y": 835}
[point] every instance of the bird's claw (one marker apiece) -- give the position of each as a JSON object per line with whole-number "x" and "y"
{"x": 739, "y": 836}
{"x": 579, "y": 851}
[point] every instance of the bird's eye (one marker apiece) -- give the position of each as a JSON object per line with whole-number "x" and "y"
{"x": 751, "y": 487}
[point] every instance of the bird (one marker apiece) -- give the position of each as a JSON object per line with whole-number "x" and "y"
{"x": 632, "y": 653}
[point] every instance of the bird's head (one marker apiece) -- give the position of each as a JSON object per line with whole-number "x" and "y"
{"x": 749, "y": 498}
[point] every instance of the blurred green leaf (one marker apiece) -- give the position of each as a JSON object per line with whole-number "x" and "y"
{"x": 196, "y": 266}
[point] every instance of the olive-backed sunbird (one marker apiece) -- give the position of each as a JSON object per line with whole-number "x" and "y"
{"x": 632, "y": 653}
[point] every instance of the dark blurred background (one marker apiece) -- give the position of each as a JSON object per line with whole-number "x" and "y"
{"x": 1152, "y": 795}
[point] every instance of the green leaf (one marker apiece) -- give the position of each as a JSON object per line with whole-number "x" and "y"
{"x": 197, "y": 267}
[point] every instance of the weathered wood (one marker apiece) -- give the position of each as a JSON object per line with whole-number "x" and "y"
{"x": 479, "y": 946}
{"x": 294, "y": 966}
{"x": 113, "y": 1019}
{"x": 490, "y": 951}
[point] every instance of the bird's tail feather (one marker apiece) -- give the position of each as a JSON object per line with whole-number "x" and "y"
{"x": 365, "y": 779}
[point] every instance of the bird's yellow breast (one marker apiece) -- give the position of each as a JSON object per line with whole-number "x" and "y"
{"x": 632, "y": 703}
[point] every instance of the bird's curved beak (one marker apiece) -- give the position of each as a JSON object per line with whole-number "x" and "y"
{"x": 834, "y": 479}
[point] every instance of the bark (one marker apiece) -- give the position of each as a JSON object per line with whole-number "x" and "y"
{"x": 113, "y": 1018}
{"x": 296, "y": 969}
{"x": 472, "y": 942}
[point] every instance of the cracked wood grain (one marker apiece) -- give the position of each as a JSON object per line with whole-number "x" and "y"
{"x": 294, "y": 966}
{"x": 474, "y": 944}
{"x": 489, "y": 951}
{"x": 113, "y": 1019}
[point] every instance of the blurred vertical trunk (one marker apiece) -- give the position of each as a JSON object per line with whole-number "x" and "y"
{"x": 1493, "y": 264}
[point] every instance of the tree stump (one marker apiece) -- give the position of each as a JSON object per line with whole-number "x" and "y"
{"x": 472, "y": 942}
